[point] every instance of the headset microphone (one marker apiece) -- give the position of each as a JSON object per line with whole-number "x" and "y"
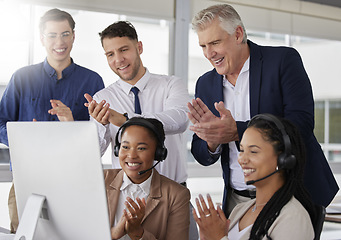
{"x": 254, "y": 181}
{"x": 144, "y": 171}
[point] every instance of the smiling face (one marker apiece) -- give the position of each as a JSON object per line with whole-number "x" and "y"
{"x": 258, "y": 158}
{"x": 58, "y": 48}
{"x": 222, "y": 49}
{"x": 137, "y": 152}
{"x": 123, "y": 55}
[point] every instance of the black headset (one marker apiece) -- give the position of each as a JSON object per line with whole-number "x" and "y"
{"x": 161, "y": 150}
{"x": 285, "y": 160}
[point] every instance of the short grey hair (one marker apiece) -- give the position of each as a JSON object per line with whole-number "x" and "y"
{"x": 227, "y": 15}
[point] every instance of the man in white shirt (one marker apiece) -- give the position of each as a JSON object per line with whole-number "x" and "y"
{"x": 160, "y": 96}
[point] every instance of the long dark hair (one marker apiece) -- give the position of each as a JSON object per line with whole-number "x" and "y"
{"x": 293, "y": 185}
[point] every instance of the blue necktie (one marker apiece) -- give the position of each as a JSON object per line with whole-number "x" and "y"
{"x": 135, "y": 90}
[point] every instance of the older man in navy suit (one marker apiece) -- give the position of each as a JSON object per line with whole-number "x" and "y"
{"x": 249, "y": 79}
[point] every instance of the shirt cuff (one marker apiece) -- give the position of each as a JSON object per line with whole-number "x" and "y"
{"x": 216, "y": 152}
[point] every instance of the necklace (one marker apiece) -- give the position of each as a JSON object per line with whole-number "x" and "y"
{"x": 257, "y": 205}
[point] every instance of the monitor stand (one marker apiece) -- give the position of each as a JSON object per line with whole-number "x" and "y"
{"x": 30, "y": 216}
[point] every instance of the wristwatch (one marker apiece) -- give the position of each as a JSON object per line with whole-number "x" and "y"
{"x": 126, "y": 116}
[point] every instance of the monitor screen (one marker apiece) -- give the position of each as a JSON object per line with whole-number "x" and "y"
{"x": 60, "y": 161}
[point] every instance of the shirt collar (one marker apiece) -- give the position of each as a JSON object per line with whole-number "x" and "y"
{"x": 141, "y": 84}
{"x": 145, "y": 186}
{"x": 66, "y": 72}
{"x": 245, "y": 68}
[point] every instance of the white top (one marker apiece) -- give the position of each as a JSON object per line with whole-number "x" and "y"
{"x": 235, "y": 234}
{"x": 292, "y": 223}
{"x": 162, "y": 97}
{"x": 237, "y": 100}
{"x": 132, "y": 190}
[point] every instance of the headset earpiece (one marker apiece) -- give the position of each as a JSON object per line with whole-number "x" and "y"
{"x": 117, "y": 149}
{"x": 160, "y": 153}
{"x": 286, "y": 162}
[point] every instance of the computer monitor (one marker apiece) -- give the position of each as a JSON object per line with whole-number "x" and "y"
{"x": 59, "y": 161}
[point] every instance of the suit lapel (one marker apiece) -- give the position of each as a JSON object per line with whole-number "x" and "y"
{"x": 218, "y": 93}
{"x": 256, "y": 63}
{"x": 154, "y": 194}
{"x": 115, "y": 194}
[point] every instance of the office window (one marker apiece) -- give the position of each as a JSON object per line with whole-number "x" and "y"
{"x": 20, "y": 42}
{"x": 321, "y": 59}
{"x": 334, "y": 122}
{"x": 197, "y": 63}
{"x": 319, "y": 121}
{"x": 14, "y": 38}
{"x": 328, "y": 128}
{"x": 335, "y": 155}
{"x": 268, "y": 39}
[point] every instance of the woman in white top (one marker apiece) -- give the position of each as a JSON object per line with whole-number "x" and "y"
{"x": 272, "y": 157}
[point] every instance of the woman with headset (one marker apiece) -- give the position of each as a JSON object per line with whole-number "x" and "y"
{"x": 142, "y": 203}
{"x": 272, "y": 157}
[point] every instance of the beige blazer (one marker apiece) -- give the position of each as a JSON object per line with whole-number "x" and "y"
{"x": 167, "y": 206}
{"x": 292, "y": 223}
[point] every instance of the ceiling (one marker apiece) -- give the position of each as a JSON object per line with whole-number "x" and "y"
{"x": 334, "y": 3}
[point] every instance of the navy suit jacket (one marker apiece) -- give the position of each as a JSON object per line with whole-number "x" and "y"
{"x": 279, "y": 85}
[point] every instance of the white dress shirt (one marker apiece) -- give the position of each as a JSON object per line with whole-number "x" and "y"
{"x": 237, "y": 100}
{"x": 129, "y": 189}
{"x": 162, "y": 97}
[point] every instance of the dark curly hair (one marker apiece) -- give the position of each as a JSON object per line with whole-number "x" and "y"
{"x": 119, "y": 29}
